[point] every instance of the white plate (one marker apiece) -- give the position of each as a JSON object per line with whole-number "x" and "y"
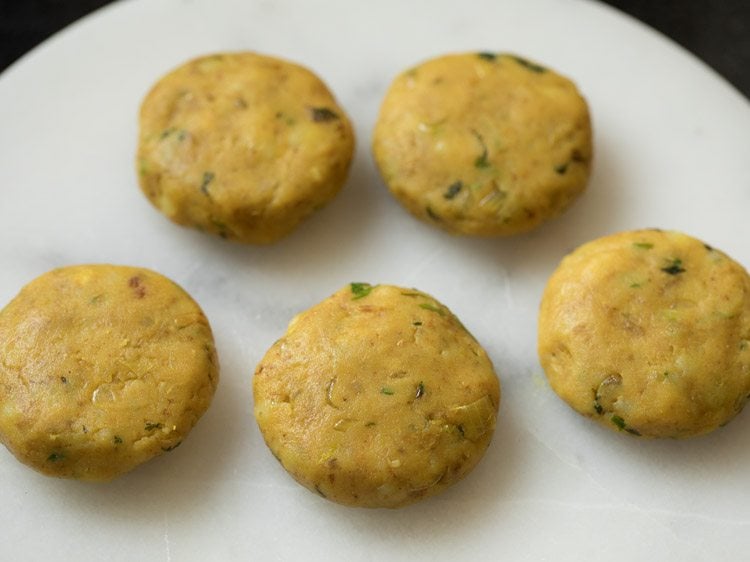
{"x": 672, "y": 150}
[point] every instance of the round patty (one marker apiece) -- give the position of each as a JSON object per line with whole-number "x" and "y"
{"x": 102, "y": 367}
{"x": 483, "y": 143}
{"x": 376, "y": 397}
{"x": 242, "y": 145}
{"x": 648, "y": 332}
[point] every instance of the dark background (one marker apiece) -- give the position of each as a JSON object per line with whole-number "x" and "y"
{"x": 718, "y": 31}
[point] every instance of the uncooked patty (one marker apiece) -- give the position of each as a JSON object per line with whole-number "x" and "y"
{"x": 102, "y": 367}
{"x": 242, "y": 145}
{"x": 376, "y": 397}
{"x": 483, "y": 143}
{"x": 648, "y": 332}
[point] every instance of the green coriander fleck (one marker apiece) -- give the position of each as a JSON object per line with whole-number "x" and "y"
{"x": 528, "y": 65}
{"x": 618, "y": 421}
{"x": 386, "y": 390}
{"x": 674, "y": 267}
{"x": 322, "y": 114}
{"x": 360, "y": 290}
{"x": 221, "y": 227}
{"x": 453, "y": 189}
{"x": 481, "y": 161}
{"x": 431, "y": 307}
{"x": 420, "y": 390}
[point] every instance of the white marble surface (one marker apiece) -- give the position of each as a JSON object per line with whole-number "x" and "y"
{"x": 672, "y": 150}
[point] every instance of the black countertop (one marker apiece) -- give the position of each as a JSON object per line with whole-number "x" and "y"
{"x": 717, "y": 31}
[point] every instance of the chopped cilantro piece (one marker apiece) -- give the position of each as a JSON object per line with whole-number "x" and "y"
{"x": 487, "y": 56}
{"x": 431, "y": 307}
{"x": 181, "y": 134}
{"x": 432, "y": 214}
{"x": 387, "y": 391}
{"x": 420, "y": 390}
{"x": 221, "y": 227}
{"x": 453, "y": 189}
{"x": 643, "y": 245}
{"x": 481, "y": 161}
{"x": 618, "y": 421}
{"x": 674, "y": 268}
{"x": 322, "y": 114}
{"x": 533, "y": 67}
{"x": 360, "y": 290}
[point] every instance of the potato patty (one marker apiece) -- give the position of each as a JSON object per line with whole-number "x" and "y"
{"x": 242, "y": 145}
{"x": 648, "y": 332}
{"x": 376, "y": 397}
{"x": 102, "y": 367}
{"x": 483, "y": 143}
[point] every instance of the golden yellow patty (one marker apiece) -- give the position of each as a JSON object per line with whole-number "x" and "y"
{"x": 242, "y": 145}
{"x": 483, "y": 144}
{"x": 648, "y": 332}
{"x": 376, "y": 397}
{"x": 102, "y": 367}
